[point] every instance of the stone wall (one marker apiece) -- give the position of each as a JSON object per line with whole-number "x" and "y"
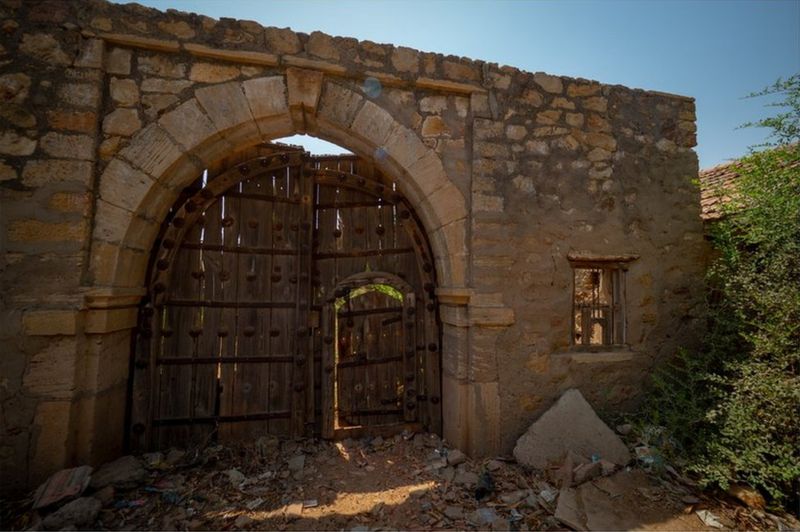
{"x": 108, "y": 111}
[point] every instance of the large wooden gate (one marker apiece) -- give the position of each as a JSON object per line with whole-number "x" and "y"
{"x": 291, "y": 295}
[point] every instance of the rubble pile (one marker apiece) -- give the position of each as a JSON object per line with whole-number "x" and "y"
{"x": 586, "y": 479}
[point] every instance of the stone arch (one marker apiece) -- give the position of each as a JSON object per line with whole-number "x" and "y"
{"x": 141, "y": 183}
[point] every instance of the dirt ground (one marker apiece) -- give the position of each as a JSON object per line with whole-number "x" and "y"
{"x": 402, "y": 483}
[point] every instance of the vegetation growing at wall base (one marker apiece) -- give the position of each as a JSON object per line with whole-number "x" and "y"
{"x": 734, "y": 406}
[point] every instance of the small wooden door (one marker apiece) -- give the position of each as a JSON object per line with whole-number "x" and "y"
{"x": 283, "y": 284}
{"x": 373, "y": 355}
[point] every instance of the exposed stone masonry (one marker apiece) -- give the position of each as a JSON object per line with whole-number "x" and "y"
{"x": 108, "y": 111}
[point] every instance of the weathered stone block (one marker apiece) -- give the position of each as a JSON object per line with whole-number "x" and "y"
{"x": 266, "y": 96}
{"x": 7, "y": 173}
{"x": 373, "y": 123}
{"x": 80, "y": 95}
{"x": 111, "y": 222}
{"x": 404, "y": 146}
{"x": 179, "y": 29}
{"x": 582, "y": 89}
{"x": 226, "y": 104}
{"x": 14, "y": 88}
{"x": 549, "y": 83}
{"x": 80, "y": 121}
{"x": 40, "y": 172}
{"x": 322, "y": 45}
{"x": 405, "y": 60}
{"x": 122, "y": 122}
{"x": 339, "y": 105}
{"x": 569, "y": 425}
{"x": 68, "y": 146}
{"x": 152, "y": 151}
{"x": 91, "y": 54}
{"x": 123, "y": 186}
{"x": 124, "y": 92}
{"x": 433, "y": 104}
{"x": 161, "y": 66}
{"x": 44, "y": 47}
{"x": 282, "y": 40}
{"x": 12, "y": 143}
{"x": 70, "y": 202}
{"x": 304, "y": 87}
{"x": 118, "y": 61}
{"x": 49, "y": 322}
{"x": 213, "y": 73}
{"x": 34, "y": 231}
{"x": 51, "y": 371}
{"x": 514, "y": 132}
{"x": 433, "y": 126}
{"x": 595, "y": 103}
{"x": 51, "y": 430}
{"x": 428, "y": 173}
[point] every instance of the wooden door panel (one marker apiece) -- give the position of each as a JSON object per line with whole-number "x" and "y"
{"x": 244, "y": 336}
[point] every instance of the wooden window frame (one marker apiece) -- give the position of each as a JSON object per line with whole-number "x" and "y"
{"x": 616, "y": 330}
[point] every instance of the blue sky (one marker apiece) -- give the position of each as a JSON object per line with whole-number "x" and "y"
{"x": 717, "y": 51}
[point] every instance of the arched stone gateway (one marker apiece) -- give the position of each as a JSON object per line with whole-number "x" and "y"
{"x": 562, "y": 223}
{"x": 292, "y": 295}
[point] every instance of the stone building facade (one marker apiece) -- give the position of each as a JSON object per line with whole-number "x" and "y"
{"x": 109, "y": 111}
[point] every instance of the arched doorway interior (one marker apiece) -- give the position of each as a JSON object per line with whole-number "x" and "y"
{"x": 289, "y": 294}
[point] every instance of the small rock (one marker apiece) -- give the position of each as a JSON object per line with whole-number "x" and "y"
{"x": 433, "y": 440}
{"x": 624, "y": 429}
{"x": 105, "y": 495}
{"x": 455, "y": 457}
{"x": 747, "y": 495}
{"x": 447, "y": 474}
{"x": 377, "y": 442}
{"x": 466, "y": 478}
{"x": 175, "y": 456}
{"x": 494, "y": 465}
{"x": 235, "y": 477}
{"x": 513, "y": 497}
{"x": 242, "y": 521}
{"x": 690, "y": 499}
{"x": 483, "y": 516}
{"x": 80, "y": 512}
{"x": 586, "y": 472}
{"x": 152, "y": 460}
{"x": 419, "y": 440}
{"x": 267, "y": 446}
{"x": 65, "y": 484}
{"x": 607, "y": 467}
{"x": 438, "y": 463}
{"x": 122, "y": 473}
{"x": 296, "y": 463}
{"x": 454, "y": 512}
{"x": 531, "y": 501}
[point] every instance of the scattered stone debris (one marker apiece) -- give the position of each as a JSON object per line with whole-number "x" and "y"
{"x": 368, "y": 484}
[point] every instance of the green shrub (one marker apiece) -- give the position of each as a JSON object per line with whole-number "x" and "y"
{"x": 734, "y": 407}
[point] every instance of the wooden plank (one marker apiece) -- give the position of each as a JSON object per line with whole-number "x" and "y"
{"x": 328, "y": 372}
{"x": 410, "y": 358}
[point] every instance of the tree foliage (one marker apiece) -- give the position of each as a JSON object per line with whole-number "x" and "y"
{"x": 734, "y": 406}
